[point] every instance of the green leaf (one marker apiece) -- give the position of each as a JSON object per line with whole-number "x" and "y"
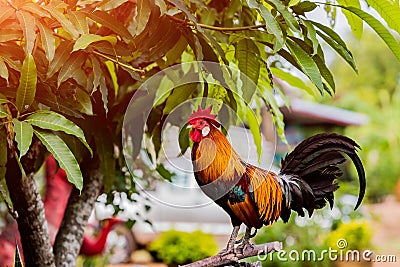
{"x": 49, "y": 120}
{"x": 166, "y": 174}
{"x": 27, "y": 84}
{"x": 86, "y": 39}
{"x": 247, "y": 55}
{"x": 23, "y": 136}
{"x": 62, "y": 19}
{"x": 389, "y": 11}
{"x": 378, "y": 27}
{"x": 62, "y": 54}
{"x": 48, "y": 41}
{"x": 27, "y": 23}
{"x": 113, "y": 74}
{"x": 3, "y": 113}
{"x": 312, "y": 35}
{"x": 104, "y": 93}
{"x": 56, "y": 146}
{"x": 306, "y": 63}
{"x": 271, "y": 24}
{"x": 71, "y": 67}
{"x": 83, "y": 104}
{"x": 342, "y": 51}
{"x": 3, "y": 70}
{"x": 183, "y": 140}
{"x": 356, "y": 24}
{"x": 286, "y": 14}
{"x": 143, "y": 15}
{"x": 292, "y": 80}
{"x": 303, "y": 7}
{"x": 254, "y": 126}
{"x": 178, "y": 95}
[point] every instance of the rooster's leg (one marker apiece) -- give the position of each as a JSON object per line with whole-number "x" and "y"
{"x": 230, "y": 248}
{"x": 245, "y": 240}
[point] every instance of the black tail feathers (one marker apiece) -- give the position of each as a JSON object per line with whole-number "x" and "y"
{"x": 309, "y": 172}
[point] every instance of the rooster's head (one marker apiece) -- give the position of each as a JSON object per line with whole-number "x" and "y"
{"x": 201, "y": 121}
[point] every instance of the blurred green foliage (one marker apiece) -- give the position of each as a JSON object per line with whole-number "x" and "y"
{"x": 375, "y": 91}
{"x": 175, "y": 247}
{"x": 357, "y": 235}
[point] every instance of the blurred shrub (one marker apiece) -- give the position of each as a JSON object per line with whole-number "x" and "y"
{"x": 174, "y": 247}
{"x": 357, "y": 235}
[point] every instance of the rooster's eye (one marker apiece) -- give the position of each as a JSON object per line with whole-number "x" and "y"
{"x": 201, "y": 123}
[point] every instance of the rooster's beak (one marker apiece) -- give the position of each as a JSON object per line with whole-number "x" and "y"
{"x": 189, "y": 126}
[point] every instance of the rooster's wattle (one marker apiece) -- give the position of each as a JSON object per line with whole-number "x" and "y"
{"x": 257, "y": 197}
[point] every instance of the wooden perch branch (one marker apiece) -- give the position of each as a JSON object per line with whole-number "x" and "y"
{"x": 219, "y": 260}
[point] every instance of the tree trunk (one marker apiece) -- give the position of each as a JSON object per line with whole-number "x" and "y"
{"x": 80, "y": 205}
{"x": 32, "y": 224}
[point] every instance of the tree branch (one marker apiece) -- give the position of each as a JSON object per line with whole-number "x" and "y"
{"x": 216, "y": 28}
{"x": 219, "y": 260}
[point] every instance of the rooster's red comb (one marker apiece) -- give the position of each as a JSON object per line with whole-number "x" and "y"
{"x": 204, "y": 114}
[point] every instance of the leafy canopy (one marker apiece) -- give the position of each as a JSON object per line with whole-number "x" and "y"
{"x": 68, "y": 69}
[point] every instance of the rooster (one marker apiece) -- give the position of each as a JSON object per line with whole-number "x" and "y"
{"x": 257, "y": 197}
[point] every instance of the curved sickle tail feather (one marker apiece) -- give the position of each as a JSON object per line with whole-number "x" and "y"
{"x": 309, "y": 172}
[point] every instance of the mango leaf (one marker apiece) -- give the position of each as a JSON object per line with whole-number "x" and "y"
{"x": 110, "y": 22}
{"x": 27, "y": 23}
{"x": 312, "y": 35}
{"x": 166, "y": 174}
{"x": 86, "y": 39}
{"x": 288, "y": 16}
{"x": 113, "y": 74}
{"x": 78, "y": 19}
{"x": 356, "y": 24}
{"x": 3, "y": 113}
{"x": 83, "y": 102}
{"x": 62, "y": 54}
{"x": 71, "y": 67}
{"x": 303, "y": 7}
{"x": 27, "y": 84}
{"x": 3, "y": 153}
{"x": 389, "y": 10}
{"x": 247, "y": 55}
{"x": 56, "y": 146}
{"x": 306, "y": 63}
{"x": 143, "y": 15}
{"x": 110, "y": 4}
{"x": 23, "y": 136}
{"x": 62, "y": 19}
{"x": 183, "y": 139}
{"x": 3, "y": 70}
{"x": 104, "y": 93}
{"x": 50, "y": 120}
{"x": 48, "y": 41}
{"x": 271, "y": 24}
{"x": 342, "y": 51}
{"x": 178, "y": 95}
{"x": 6, "y": 12}
{"x": 254, "y": 126}
{"x": 378, "y": 27}
{"x": 36, "y": 10}
{"x": 292, "y": 80}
